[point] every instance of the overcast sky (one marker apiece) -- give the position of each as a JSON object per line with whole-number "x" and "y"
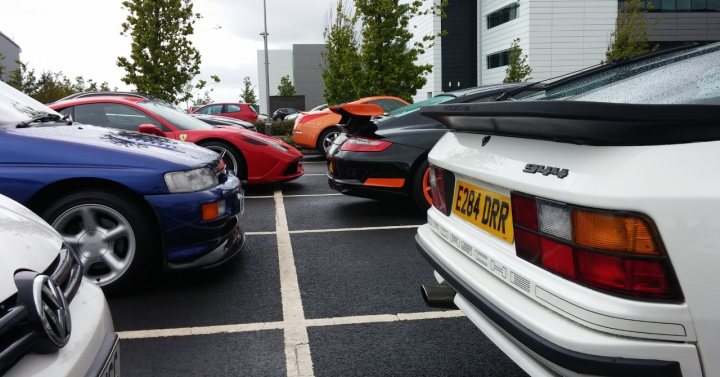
{"x": 82, "y": 37}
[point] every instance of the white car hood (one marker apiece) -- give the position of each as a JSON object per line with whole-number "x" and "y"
{"x": 26, "y": 243}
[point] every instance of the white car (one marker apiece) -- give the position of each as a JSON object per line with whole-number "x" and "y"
{"x": 53, "y": 322}
{"x": 579, "y": 224}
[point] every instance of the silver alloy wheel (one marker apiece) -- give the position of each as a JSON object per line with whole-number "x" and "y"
{"x": 102, "y": 236}
{"x": 228, "y": 157}
{"x": 329, "y": 139}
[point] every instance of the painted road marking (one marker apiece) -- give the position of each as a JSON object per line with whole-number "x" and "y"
{"x": 297, "y": 345}
{"x": 279, "y": 325}
{"x": 355, "y": 229}
{"x": 367, "y": 228}
{"x": 291, "y": 196}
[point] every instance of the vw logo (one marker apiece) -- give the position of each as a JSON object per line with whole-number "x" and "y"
{"x": 52, "y": 309}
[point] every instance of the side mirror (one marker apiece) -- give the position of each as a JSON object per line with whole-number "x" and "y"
{"x": 150, "y": 129}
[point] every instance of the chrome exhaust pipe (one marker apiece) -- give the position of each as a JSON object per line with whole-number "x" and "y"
{"x": 438, "y": 296}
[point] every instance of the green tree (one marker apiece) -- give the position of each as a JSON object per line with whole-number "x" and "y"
{"x": 518, "y": 70}
{"x": 630, "y": 38}
{"x": 2, "y": 66}
{"x": 286, "y": 87}
{"x": 248, "y": 92}
{"x": 386, "y": 54}
{"x": 162, "y": 58}
{"x": 342, "y": 60}
{"x": 371, "y": 51}
{"x": 23, "y": 79}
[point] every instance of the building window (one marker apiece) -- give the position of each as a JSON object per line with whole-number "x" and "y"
{"x": 683, "y": 5}
{"x": 502, "y": 16}
{"x": 498, "y": 59}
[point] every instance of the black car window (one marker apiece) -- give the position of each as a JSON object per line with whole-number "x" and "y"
{"x": 232, "y": 108}
{"x": 212, "y": 109}
{"x": 112, "y": 115}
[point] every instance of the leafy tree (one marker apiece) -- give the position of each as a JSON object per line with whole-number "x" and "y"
{"x": 630, "y": 38}
{"x": 369, "y": 52}
{"x": 23, "y": 79}
{"x": 342, "y": 60}
{"x": 518, "y": 69}
{"x": 2, "y": 66}
{"x": 248, "y": 93}
{"x": 50, "y": 86}
{"x": 204, "y": 100}
{"x": 162, "y": 58}
{"x": 286, "y": 87}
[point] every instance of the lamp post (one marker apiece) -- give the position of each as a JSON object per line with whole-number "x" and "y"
{"x": 268, "y": 116}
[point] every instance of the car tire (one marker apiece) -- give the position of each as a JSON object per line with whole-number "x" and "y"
{"x": 420, "y": 190}
{"x": 234, "y": 160}
{"x": 114, "y": 237}
{"x": 326, "y": 139}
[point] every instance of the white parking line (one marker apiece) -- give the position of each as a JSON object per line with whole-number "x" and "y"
{"x": 360, "y": 229}
{"x": 279, "y": 325}
{"x": 292, "y": 196}
{"x": 297, "y": 345}
{"x": 309, "y": 195}
{"x": 355, "y": 229}
{"x": 200, "y": 330}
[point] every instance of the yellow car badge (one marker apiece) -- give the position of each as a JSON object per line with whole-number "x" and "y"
{"x": 183, "y": 137}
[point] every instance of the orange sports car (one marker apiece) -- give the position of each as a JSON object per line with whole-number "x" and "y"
{"x": 317, "y": 129}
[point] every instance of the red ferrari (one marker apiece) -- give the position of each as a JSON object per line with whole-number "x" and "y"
{"x": 253, "y": 156}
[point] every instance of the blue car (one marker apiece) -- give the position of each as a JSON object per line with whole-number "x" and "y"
{"x": 125, "y": 201}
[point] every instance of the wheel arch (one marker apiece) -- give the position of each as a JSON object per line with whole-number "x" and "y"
{"x": 218, "y": 140}
{"x": 413, "y": 170}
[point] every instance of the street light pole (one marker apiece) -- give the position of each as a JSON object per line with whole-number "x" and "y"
{"x": 268, "y": 116}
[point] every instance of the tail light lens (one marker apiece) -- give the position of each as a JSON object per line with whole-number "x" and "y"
{"x": 441, "y": 183}
{"x": 361, "y": 144}
{"x": 614, "y": 252}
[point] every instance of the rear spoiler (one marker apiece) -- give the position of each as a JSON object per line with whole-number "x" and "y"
{"x": 356, "y": 117}
{"x": 588, "y": 123}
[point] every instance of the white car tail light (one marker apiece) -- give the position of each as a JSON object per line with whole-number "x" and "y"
{"x": 615, "y": 252}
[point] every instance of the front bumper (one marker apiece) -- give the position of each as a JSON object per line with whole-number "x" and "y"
{"x": 187, "y": 238}
{"x": 540, "y": 341}
{"x": 92, "y": 329}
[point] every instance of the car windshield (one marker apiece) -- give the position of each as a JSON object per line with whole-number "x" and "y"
{"x": 179, "y": 119}
{"x": 16, "y": 107}
{"x": 680, "y": 77}
{"x": 417, "y": 105}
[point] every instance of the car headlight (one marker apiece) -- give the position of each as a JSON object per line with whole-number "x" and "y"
{"x": 191, "y": 180}
{"x": 271, "y": 143}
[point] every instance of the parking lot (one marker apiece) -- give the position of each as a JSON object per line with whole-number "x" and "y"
{"x": 327, "y": 285}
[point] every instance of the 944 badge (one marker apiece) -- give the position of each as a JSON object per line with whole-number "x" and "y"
{"x": 546, "y": 170}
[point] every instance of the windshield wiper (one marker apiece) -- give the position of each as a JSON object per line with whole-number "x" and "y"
{"x": 45, "y": 117}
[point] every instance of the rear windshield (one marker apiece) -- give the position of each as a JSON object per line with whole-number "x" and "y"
{"x": 682, "y": 77}
{"x": 417, "y": 105}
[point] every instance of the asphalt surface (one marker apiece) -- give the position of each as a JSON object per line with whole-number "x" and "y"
{"x": 354, "y": 284}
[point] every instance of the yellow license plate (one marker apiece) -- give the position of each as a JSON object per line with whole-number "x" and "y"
{"x": 485, "y": 209}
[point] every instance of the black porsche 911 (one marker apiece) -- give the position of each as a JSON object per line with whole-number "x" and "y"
{"x": 386, "y": 158}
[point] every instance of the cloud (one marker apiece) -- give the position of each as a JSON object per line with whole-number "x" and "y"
{"x": 82, "y": 37}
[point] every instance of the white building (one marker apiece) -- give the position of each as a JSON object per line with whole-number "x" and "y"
{"x": 281, "y": 64}
{"x": 558, "y": 36}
